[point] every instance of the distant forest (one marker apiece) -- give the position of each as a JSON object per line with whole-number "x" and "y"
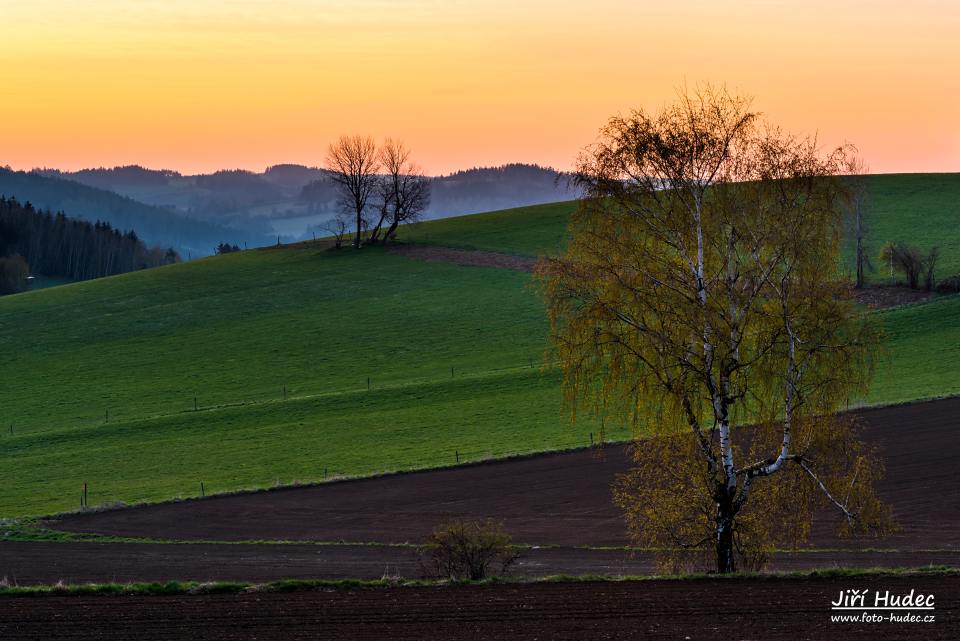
{"x": 288, "y": 200}
{"x": 469, "y": 191}
{"x": 156, "y": 225}
{"x": 43, "y": 242}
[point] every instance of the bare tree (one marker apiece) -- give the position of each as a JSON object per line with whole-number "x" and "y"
{"x": 353, "y": 163}
{"x": 404, "y": 190}
{"x": 912, "y": 262}
{"x": 855, "y": 171}
{"x": 337, "y": 226}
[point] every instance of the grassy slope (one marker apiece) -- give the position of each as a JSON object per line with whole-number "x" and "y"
{"x": 923, "y": 209}
{"x": 532, "y": 231}
{"x": 921, "y": 352}
{"x": 239, "y": 328}
{"x": 234, "y": 330}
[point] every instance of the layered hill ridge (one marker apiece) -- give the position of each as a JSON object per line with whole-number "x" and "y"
{"x": 157, "y": 226}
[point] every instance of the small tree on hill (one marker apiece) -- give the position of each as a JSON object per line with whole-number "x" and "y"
{"x": 696, "y": 296}
{"x": 404, "y": 190}
{"x": 227, "y": 248}
{"x": 337, "y": 227}
{"x": 855, "y": 171}
{"x": 912, "y": 263}
{"x": 353, "y": 162}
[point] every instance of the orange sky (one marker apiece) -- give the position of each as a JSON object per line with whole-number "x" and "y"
{"x": 197, "y": 85}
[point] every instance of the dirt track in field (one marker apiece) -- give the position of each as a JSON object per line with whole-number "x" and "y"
{"x": 875, "y": 296}
{"x": 701, "y": 610}
{"x": 558, "y": 499}
{"x": 39, "y": 563}
{"x": 469, "y": 257}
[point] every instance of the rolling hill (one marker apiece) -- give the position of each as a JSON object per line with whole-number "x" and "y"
{"x": 249, "y": 369}
{"x": 922, "y": 209}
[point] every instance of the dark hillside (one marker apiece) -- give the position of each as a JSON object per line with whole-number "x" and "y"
{"x": 155, "y": 225}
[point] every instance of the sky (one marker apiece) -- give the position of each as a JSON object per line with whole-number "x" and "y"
{"x": 199, "y": 85}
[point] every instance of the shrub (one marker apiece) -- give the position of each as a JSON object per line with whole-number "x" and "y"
{"x": 949, "y": 285}
{"x": 913, "y": 263}
{"x": 468, "y": 550}
{"x": 13, "y": 275}
{"x": 227, "y": 248}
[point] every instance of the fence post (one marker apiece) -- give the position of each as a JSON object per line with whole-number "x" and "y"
{"x": 284, "y": 392}
{"x": 203, "y": 492}
{"x": 85, "y": 503}
{"x": 591, "y": 439}
{"x": 368, "y": 383}
{"x": 195, "y": 405}
{"x": 457, "y": 452}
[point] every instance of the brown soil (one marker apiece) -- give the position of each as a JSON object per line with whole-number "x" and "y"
{"x": 560, "y": 500}
{"x": 44, "y": 563}
{"x": 697, "y": 610}
{"x": 883, "y": 296}
{"x": 472, "y": 258}
{"x": 555, "y": 499}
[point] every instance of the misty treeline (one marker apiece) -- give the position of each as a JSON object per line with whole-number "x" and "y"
{"x": 469, "y": 191}
{"x": 43, "y": 242}
{"x": 160, "y": 225}
{"x": 246, "y": 199}
{"x": 246, "y": 207}
{"x": 378, "y": 189}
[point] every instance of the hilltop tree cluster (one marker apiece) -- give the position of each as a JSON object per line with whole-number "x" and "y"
{"x": 52, "y": 244}
{"x": 379, "y": 188}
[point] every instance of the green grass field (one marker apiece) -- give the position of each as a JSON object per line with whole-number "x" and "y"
{"x": 922, "y": 209}
{"x": 233, "y": 331}
{"x": 102, "y": 375}
{"x": 530, "y": 231}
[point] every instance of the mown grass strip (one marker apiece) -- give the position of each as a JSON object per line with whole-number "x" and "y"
{"x": 232, "y": 587}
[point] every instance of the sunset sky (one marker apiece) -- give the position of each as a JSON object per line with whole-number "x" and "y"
{"x": 197, "y": 85}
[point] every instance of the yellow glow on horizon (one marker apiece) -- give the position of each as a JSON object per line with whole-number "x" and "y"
{"x": 199, "y": 85}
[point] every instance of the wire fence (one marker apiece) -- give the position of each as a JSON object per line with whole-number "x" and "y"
{"x": 96, "y": 495}
{"x": 316, "y": 474}
{"x": 172, "y": 405}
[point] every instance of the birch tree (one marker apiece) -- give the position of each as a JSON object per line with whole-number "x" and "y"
{"x": 856, "y": 191}
{"x": 700, "y": 293}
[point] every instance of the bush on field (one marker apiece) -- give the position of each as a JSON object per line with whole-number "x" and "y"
{"x": 468, "y": 550}
{"x": 13, "y": 275}
{"x": 949, "y": 285}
